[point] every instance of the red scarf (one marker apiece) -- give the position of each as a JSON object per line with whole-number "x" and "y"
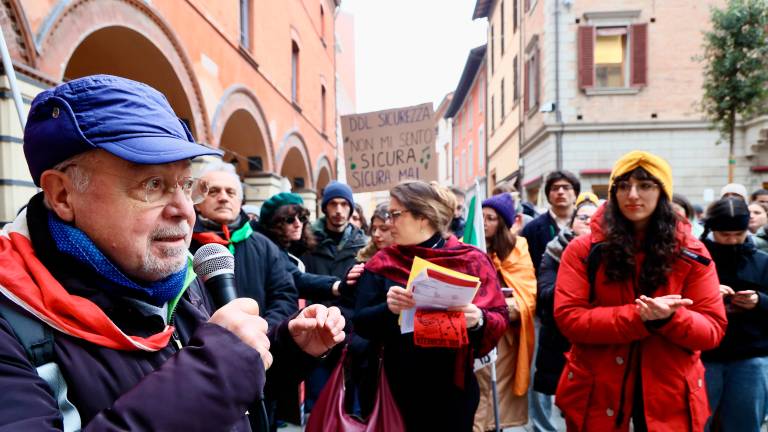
{"x": 26, "y": 282}
{"x": 394, "y": 263}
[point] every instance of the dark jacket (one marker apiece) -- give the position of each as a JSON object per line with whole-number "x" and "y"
{"x": 330, "y": 258}
{"x": 207, "y": 385}
{"x": 314, "y": 287}
{"x": 261, "y": 274}
{"x": 424, "y": 380}
{"x": 539, "y": 232}
{"x": 552, "y": 345}
{"x": 742, "y": 267}
{"x": 420, "y": 378}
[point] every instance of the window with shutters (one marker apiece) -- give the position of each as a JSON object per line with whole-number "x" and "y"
{"x": 469, "y": 114}
{"x": 493, "y": 115}
{"x": 323, "y": 102}
{"x": 492, "y": 44}
{"x": 471, "y": 161}
{"x": 294, "y": 72}
{"x": 503, "y": 108}
{"x": 531, "y": 96}
{"x": 245, "y": 24}
{"x": 502, "y": 18}
{"x": 515, "y": 81}
{"x": 613, "y": 58}
{"x": 456, "y": 173}
{"x": 480, "y": 147}
{"x": 514, "y": 15}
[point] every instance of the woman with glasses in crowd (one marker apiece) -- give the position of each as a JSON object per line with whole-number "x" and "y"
{"x": 510, "y": 257}
{"x": 431, "y": 377}
{"x": 552, "y": 345}
{"x": 284, "y": 220}
{"x": 639, "y": 300}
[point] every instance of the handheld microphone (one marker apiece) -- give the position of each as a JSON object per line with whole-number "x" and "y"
{"x": 216, "y": 266}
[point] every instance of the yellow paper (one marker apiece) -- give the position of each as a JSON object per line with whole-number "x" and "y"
{"x": 420, "y": 265}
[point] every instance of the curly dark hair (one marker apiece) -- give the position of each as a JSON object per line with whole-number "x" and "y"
{"x": 274, "y": 229}
{"x": 660, "y": 245}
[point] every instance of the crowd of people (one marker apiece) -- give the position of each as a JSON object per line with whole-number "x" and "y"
{"x": 637, "y": 312}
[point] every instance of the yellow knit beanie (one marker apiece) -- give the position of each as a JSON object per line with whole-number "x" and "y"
{"x": 656, "y": 166}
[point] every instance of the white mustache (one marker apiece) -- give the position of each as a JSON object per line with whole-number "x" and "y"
{"x": 181, "y": 230}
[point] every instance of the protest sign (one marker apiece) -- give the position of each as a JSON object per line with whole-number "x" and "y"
{"x": 384, "y": 147}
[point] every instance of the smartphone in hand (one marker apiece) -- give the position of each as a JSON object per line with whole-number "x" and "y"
{"x": 508, "y": 292}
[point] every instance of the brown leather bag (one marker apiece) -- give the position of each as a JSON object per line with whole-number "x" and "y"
{"x": 328, "y": 414}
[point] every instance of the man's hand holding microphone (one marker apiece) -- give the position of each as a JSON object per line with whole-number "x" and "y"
{"x": 316, "y": 329}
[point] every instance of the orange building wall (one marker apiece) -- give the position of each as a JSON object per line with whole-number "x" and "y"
{"x": 208, "y": 33}
{"x": 466, "y": 129}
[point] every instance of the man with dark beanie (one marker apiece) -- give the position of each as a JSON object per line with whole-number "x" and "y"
{"x": 337, "y": 240}
{"x": 737, "y": 370}
{"x": 334, "y": 255}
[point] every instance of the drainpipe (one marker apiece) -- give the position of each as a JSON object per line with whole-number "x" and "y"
{"x": 558, "y": 113}
{"x": 10, "y": 73}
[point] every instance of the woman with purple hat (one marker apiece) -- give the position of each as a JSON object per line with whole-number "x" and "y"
{"x": 514, "y": 268}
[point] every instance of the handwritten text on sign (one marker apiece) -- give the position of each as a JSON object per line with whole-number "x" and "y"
{"x": 384, "y": 147}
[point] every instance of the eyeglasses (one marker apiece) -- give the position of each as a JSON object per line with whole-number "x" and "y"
{"x": 159, "y": 189}
{"x": 564, "y": 187}
{"x": 397, "y": 213}
{"x": 583, "y": 218}
{"x": 643, "y": 188}
{"x": 290, "y": 220}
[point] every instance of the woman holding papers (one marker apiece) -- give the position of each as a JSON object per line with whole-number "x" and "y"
{"x": 639, "y": 300}
{"x": 510, "y": 257}
{"x": 429, "y": 369}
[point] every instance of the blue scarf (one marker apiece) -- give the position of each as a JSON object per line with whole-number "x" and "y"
{"x": 75, "y": 243}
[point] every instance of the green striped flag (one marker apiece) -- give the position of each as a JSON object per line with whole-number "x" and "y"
{"x": 474, "y": 234}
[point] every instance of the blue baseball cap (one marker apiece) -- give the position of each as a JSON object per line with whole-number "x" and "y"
{"x": 126, "y": 118}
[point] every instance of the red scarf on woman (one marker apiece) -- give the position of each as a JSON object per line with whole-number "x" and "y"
{"x": 394, "y": 263}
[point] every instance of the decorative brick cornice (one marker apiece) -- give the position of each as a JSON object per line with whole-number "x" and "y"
{"x": 17, "y": 34}
{"x": 86, "y": 16}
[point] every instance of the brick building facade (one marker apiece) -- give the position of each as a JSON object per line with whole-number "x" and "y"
{"x": 256, "y": 78}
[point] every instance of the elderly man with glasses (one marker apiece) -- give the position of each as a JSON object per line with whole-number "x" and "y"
{"x": 259, "y": 269}
{"x": 103, "y": 324}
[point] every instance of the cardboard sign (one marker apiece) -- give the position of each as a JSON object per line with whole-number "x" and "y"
{"x": 384, "y": 147}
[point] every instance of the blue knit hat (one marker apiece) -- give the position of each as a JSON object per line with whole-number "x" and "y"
{"x": 504, "y": 206}
{"x": 338, "y": 190}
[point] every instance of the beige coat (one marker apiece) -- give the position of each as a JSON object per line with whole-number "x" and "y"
{"x": 518, "y": 273}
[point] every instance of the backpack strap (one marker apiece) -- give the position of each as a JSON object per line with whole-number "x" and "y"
{"x": 693, "y": 256}
{"x": 34, "y": 336}
{"x": 37, "y": 340}
{"x": 593, "y": 263}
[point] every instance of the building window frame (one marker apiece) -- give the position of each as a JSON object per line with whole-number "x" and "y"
{"x": 246, "y": 16}
{"x": 295, "y": 71}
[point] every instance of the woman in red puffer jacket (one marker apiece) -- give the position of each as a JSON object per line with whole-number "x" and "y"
{"x": 654, "y": 304}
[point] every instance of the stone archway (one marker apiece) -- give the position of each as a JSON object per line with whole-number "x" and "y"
{"x": 240, "y": 128}
{"x": 126, "y": 38}
{"x": 324, "y": 174}
{"x": 294, "y": 162}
